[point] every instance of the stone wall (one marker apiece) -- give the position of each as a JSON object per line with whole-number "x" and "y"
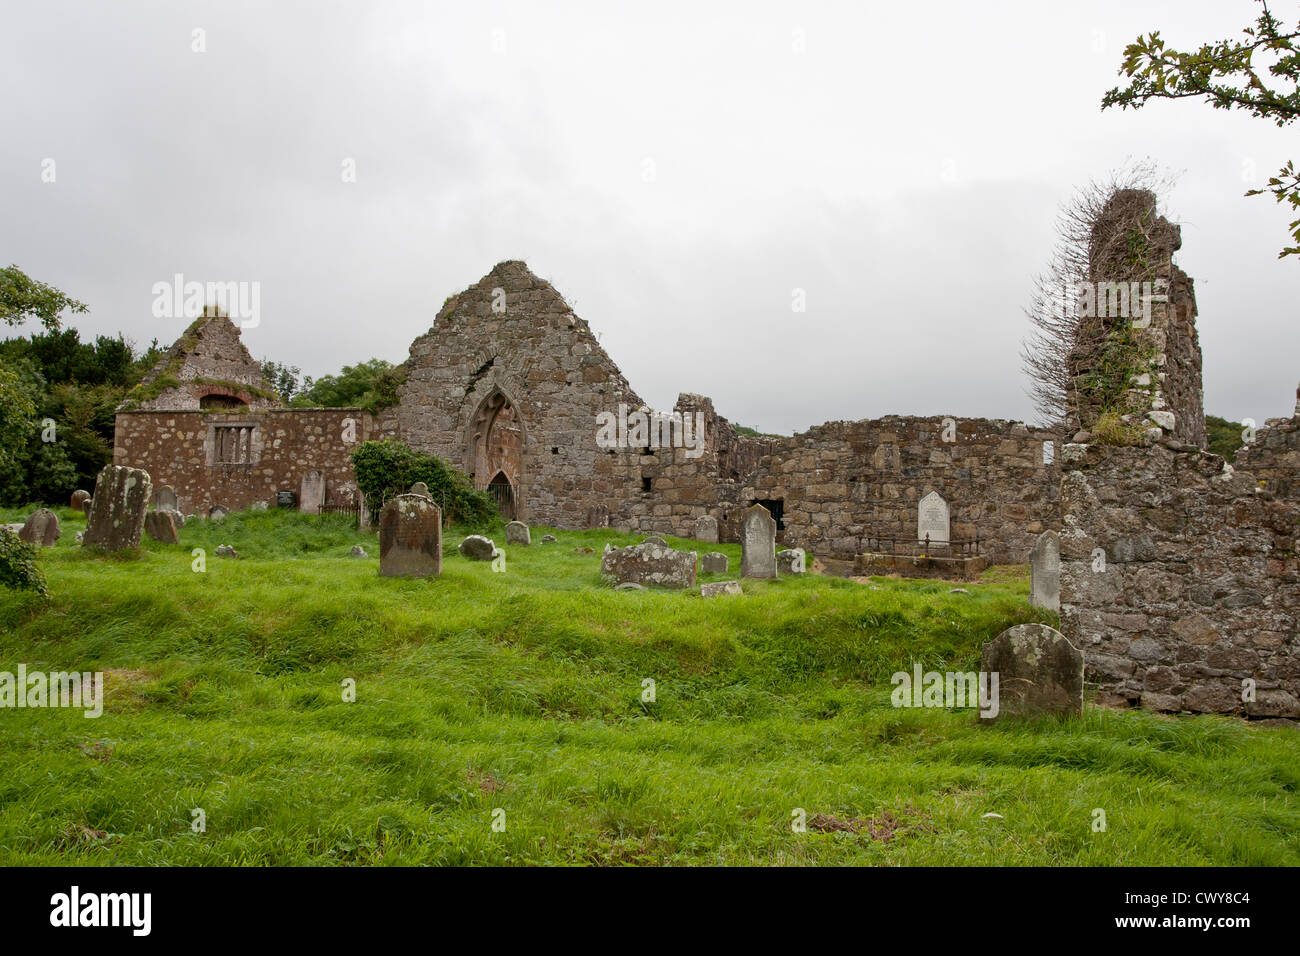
{"x": 1274, "y": 456}
{"x": 277, "y": 447}
{"x": 1179, "y": 577}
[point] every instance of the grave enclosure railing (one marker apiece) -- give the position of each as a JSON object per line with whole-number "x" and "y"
{"x": 918, "y": 547}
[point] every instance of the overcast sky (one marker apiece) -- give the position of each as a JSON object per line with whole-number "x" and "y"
{"x": 676, "y": 170}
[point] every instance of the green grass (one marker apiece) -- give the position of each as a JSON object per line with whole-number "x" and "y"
{"x": 522, "y": 691}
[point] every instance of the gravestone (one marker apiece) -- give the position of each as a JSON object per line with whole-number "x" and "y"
{"x": 311, "y": 494}
{"x": 420, "y": 488}
{"x": 654, "y": 539}
{"x": 161, "y": 526}
{"x": 715, "y": 562}
{"x": 357, "y": 551}
{"x": 164, "y": 499}
{"x": 117, "y": 508}
{"x": 1039, "y": 672}
{"x": 217, "y": 512}
{"x": 177, "y": 518}
{"x": 478, "y": 548}
{"x": 1045, "y": 571}
{"x": 757, "y": 543}
{"x": 517, "y": 533}
{"x": 549, "y": 539}
{"x": 86, "y": 506}
{"x": 410, "y": 538}
{"x": 791, "y": 561}
{"x": 932, "y": 519}
{"x": 286, "y": 499}
{"x": 706, "y": 529}
{"x": 41, "y": 528}
{"x": 226, "y": 551}
{"x": 718, "y": 588}
{"x": 79, "y": 497}
{"x": 649, "y": 563}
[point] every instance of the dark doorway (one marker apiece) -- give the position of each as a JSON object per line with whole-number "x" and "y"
{"x": 503, "y": 492}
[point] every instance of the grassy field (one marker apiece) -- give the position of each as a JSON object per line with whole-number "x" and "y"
{"x": 517, "y": 697}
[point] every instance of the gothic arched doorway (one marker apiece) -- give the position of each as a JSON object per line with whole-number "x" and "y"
{"x": 496, "y": 445}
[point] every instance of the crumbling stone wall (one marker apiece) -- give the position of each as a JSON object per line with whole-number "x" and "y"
{"x": 1180, "y": 580}
{"x": 177, "y": 449}
{"x": 1274, "y": 456}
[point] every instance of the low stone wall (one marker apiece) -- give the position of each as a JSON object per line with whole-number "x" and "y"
{"x": 1180, "y": 580}
{"x": 266, "y": 452}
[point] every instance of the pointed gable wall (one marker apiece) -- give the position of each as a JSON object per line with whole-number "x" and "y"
{"x": 533, "y": 350}
{"x": 207, "y": 360}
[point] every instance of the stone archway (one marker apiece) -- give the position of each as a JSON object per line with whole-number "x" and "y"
{"x": 496, "y": 449}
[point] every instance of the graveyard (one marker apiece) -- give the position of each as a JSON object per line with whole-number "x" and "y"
{"x": 600, "y": 726}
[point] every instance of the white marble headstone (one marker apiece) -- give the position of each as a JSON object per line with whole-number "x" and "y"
{"x": 932, "y": 519}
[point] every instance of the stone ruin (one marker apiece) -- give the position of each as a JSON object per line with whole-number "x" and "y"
{"x": 512, "y": 387}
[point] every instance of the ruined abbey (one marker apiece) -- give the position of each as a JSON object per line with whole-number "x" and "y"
{"x": 1179, "y": 576}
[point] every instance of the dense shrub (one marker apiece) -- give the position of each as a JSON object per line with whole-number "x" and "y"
{"x": 18, "y": 568}
{"x": 387, "y": 468}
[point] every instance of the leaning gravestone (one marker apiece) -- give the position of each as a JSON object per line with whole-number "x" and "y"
{"x": 164, "y": 499}
{"x": 757, "y": 543}
{"x": 1045, "y": 571}
{"x": 79, "y": 497}
{"x": 478, "y": 548}
{"x": 517, "y": 533}
{"x": 649, "y": 563}
{"x": 41, "y": 528}
{"x": 715, "y": 562}
{"x": 1039, "y": 672}
{"x": 177, "y": 518}
{"x": 312, "y": 493}
{"x": 706, "y": 529}
{"x": 791, "y": 561}
{"x": 410, "y": 538}
{"x": 932, "y": 519}
{"x": 118, "y": 508}
{"x": 161, "y": 526}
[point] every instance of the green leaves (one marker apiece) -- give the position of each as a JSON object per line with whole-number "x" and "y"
{"x": 23, "y": 298}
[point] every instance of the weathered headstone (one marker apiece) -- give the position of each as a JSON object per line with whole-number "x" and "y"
{"x": 517, "y": 533}
{"x": 161, "y": 526}
{"x": 164, "y": 499}
{"x": 706, "y": 529}
{"x": 311, "y": 494}
{"x": 715, "y": 562}
{"x": 41, "y": 528}
{"x": 757, "y": 543}
{"x": 177, "y": 518}
{"x": 259, "y": 506}
{"x": 79, "y": 497}
{"x": 549, "y": 539}
{"x": 478, "y": 548}
{"x": 410, "y": 538}
{"x": 630, "y": 586}
{"x": 118, "y": 507}
{"x": 357, "y": 551}
{"x": 932, "y": 519}
{"x": 86, "y": 505}
{"x": 218, "y": 512}
{"x": 654, "y": 539}
{"x": 717, "y": 588}
{"x": 1039, "y": 672}
{"x": 1045, "y": 571}
{"x": 420, "y": 488}
{"x": 226, "y": 551}
{"x": 649, "y": 563}
{"x": 791, "y": 561}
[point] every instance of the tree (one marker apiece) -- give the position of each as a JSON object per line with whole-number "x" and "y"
{"x": 370, "y": 385}
{"x": 23, "y": 298}
{"x": 287, "y": 380}
{"x": 1230, "y": 75}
